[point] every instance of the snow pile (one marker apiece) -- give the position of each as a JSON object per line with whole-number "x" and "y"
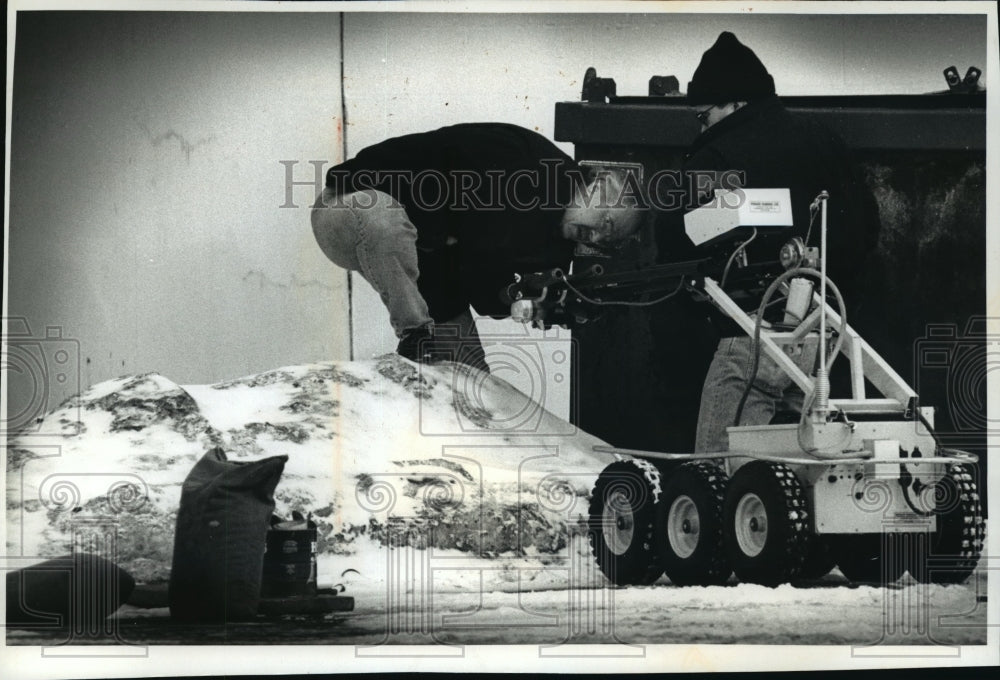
{"x": 439, "y": 462}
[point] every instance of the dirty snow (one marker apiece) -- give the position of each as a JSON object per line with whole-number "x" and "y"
{"x": 480, "y": 493}
{"x": 380, "y": 452}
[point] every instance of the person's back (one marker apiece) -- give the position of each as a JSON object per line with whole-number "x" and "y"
{"x": 486, "y": 199}
{"x": 450, "y": 179}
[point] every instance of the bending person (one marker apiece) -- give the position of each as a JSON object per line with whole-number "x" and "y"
{"x": 440, "y": 221}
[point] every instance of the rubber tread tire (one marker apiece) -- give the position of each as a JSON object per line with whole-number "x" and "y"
{"x": 957, "y": 543}
{"x": 705, "y": 484}
{"x": 638, "y": 565}
{"x": 784, "y": 550}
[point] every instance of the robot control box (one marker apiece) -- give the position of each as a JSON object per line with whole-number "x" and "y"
{"x": 742, "y": 208}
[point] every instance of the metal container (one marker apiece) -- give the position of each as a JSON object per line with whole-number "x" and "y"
{"x": 290, "y": 560}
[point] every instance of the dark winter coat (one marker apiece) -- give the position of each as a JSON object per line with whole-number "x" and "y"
{"x": 774, "y": 148}
{"x": 487, "y": 200}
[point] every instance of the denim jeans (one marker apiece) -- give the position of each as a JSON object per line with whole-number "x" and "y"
{"x": 369, "y": 232}
{"x": 772, "y": 391}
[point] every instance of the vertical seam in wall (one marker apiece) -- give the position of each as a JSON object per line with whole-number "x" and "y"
{"x": 343, "y": 151}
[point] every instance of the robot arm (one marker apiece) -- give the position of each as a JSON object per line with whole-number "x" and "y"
{"x": 553, "y": 297}
{"x": 722, "y": 229}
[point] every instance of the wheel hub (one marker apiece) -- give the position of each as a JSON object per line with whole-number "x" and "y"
{"x": 751, "y": 525}
{"x": 618, "y": 523}
{"x": 683, "y": 527}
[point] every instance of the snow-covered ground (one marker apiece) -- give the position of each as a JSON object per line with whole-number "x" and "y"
{"x": 825, "y": 612}
{"x": 449, "y": 505}
{"x": 829, "y": 612}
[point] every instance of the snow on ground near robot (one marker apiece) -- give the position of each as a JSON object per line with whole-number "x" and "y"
{"x": 481, "y": 493}
{"x": 380, "y": 452}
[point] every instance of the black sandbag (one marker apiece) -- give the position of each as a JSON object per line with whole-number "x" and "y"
{"x": 219, "y": 544}
{"x": 77, "y": 591}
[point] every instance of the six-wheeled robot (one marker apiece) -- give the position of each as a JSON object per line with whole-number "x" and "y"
{"x": 858, "y": 481}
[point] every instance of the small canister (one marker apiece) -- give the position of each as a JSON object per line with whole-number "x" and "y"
{"x": 800, "y": 293}
{"x": 290, "y": 560}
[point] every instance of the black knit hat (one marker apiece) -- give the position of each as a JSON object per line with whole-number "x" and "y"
{"x": 729, "y": 72}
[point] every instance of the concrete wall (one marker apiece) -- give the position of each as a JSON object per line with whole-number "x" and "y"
{"x": 145, "y": 161}
{"x": 145, "y": 193}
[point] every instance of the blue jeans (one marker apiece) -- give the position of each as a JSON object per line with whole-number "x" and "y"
{"x": 369, "y": 232}
{"x": 772, "y": 391}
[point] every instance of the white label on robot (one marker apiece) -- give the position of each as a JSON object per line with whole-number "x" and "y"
{"x": 765, "y": 206}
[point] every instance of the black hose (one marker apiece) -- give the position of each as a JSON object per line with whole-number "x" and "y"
{"x": 905, "y": 480}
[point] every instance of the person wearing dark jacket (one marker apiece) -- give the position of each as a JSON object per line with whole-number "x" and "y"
{"x": 441, "y": 220}
{"x": 746, "y": 129}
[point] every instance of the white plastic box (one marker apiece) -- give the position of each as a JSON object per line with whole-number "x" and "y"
{"x": 742, "y": 208}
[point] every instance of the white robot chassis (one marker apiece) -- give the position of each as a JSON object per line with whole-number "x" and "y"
{"x": 859, "y": 482}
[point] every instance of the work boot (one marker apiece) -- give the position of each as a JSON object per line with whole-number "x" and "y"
{"x": 418, "y": 344}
